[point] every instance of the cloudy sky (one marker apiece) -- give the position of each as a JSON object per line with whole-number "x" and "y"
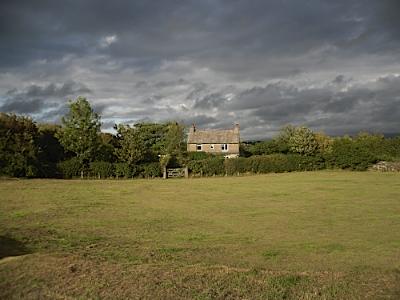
{"x": 331, "y": 65}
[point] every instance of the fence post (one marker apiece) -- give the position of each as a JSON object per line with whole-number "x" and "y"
{"x": 165, "y": 172}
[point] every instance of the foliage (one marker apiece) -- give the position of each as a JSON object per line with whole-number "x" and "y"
{"x": 123, "y": 170}
{"x": 18, "y": 146}
{"x": 80, "y": 130}
{"x": 324, "y": 143}
{"x": 132, "y": 148}
{"x": 153, "y": 136}
{"x": 175, "y": 141}
{"x": 348, "y": 153}
{"x": 101, "y": 169}
{"x": 106, "y": 151}
{"x": 392, "y": 149}
{"x": 50, "y": 150}
{"x": 198, "y": 155}
{"x": 268, "y": 147}
{"x": 150, "y": 170}
{"x": 208, "y": 167}
{"x": 274, "y": 163}
{"x": 283, "y": 139}
{"x": 302, "y": 141}
{"x": 70, "y": 168}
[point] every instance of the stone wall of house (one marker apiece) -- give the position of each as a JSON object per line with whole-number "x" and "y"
{"x": 386, "y": 166}
{"x": 232, "y": 148}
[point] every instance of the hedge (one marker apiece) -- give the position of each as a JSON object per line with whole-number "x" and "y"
{"x": 350, "y": 154}
{"x": 102, "y": 169}
{"x": 70, "y": 168}
{"x": 274, "y": 163}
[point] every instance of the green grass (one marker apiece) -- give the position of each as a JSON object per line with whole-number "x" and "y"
{"x": 312, "y": 235}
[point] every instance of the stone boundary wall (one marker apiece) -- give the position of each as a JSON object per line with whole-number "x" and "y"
{"x": 386, "y": 166}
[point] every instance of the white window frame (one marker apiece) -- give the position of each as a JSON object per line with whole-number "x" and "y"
{"x": 199, "y": 146}
{"x": 224, "y": 147}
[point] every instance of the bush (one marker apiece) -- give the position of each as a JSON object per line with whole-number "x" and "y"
{"x": 198, "y": 155}
{"x": 101, "y": 169}
{"x": 237, "y": 165}
{"x": 208, "y": 167}
{"x": 151, "y": 170}
{"x": 275, "y": 163}
{"x": 350, "y": 154}
{"x": 70, "y": 168}
{"x": 123, "y": 170}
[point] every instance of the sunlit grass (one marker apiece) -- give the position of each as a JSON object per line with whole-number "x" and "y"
{"x": 312, "y": 222}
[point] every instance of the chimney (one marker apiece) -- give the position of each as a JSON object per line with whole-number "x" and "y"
{"x": 236, "y": 128}
{"x": 193, "y": 128}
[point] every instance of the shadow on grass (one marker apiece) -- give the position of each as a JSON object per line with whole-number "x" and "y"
{"x": 11, "y": 247}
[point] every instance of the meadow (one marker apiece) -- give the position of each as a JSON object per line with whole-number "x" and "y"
{"x": 306, "y": 235}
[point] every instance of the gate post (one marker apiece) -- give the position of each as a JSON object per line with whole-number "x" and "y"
{"x": 165, "y": 173}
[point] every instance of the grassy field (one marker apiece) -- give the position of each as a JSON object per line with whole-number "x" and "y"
{"x": 312, "y": 235}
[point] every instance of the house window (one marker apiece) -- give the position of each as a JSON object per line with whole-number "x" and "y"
{"x": 212, "y": 146}
{"x": 199, "y": 147}
{"x": 224, "y": 147}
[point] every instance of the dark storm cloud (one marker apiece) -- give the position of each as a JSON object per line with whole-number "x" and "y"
{"x": 198, "y": 29}
{"x": 373, "y": 106}
{"x": 34, "y": 99}
{"x": 263, "y": 63}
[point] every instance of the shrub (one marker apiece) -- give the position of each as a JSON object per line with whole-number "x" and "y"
{"x": 198, "y": 155}
{"x": 275, "y": 163}
{"x": 237, "y": 165}
{"x": 70, "y": 168}
{"x": 123, "y": 170}
{"x": 350, "y": 154}
{"x": 151, "y": 170}
{"x": 208, "y": 167}
{"x": 101, "y": 169}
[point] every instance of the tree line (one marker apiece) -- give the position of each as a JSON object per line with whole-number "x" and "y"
{"x": 77, "y": 147}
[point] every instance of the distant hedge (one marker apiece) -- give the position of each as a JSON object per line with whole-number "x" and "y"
{"x": 344, "y": 153}
{"x": 274, "y": 163}
{"x": 72, "y": 168}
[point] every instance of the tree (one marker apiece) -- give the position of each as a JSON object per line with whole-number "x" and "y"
{"x": 50, "y": 150}
{"x": 132, "y": 148}
{"x": 18, "y": 146}
{"x": 108, "y": 143}
{"x": 80, "y": 130}
{"x": 175, "y": 145}
{"x": 303, "y": 141}
{"x": 153, "y": 136}
{"x": 283, "y": 139}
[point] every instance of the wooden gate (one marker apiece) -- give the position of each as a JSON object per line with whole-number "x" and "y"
{"x": 175, "y": 172}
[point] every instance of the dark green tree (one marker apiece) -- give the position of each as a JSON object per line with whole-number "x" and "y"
{"x": 50, "y": 150}
{"x": 18, "y": 146}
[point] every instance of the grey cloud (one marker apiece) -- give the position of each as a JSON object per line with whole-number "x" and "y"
{"x": 35, "y": 99}
{"x": 313, "y": 62}
{"x": 210, "y": 101}
{"x": 23, "y": 107}
{"x": 163, "y": 84}
{"x": 372, "y": 106}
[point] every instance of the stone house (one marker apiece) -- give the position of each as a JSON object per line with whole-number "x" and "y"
{"x": 217, "y": 141}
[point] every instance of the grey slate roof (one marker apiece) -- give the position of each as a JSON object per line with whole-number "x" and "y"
{"x": 213, "y": 136}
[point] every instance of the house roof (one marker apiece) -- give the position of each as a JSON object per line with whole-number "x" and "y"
{"x": 213, "y": 136}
